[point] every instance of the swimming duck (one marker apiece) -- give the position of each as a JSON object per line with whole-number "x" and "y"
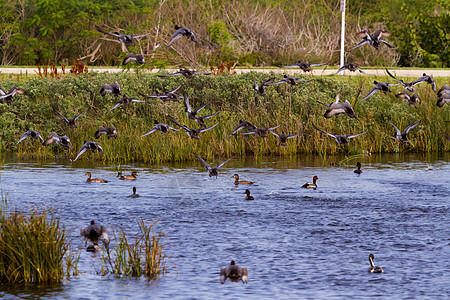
{"x": 181, "y": 31}
{"x": 123, "y": 38}
{"x": 111, "y": 89}
{"x": 110, "y": 132}
{"x": 57, "y": 139}
{"x": 358, "y": 171}
{"x": 336, "y": 108}
{"x": 373, "y": 40}
{"x": 310, "y": 185}
{"x": 133, "y": 176}
{"x": 290, "y": 80}
{"x": 349, "y": 66}
{"x": 443, "y": 96}
{"x": 412, "y": 99}
{"x": 284, "y": 137}
{"x": 260, "y": 89}
{"x": 233, "y": 273}
{"x": 137, "y": 58}
{"x": 163, "y": 128}
{"x": 340, "y": 139}
{"x": 408, "y": 86}
{"x": 248, "y": 197}
{"x": 89, "y": 145}
{"x": 373, "y": 268}
{"x": 236, "y": 182}
{"x": 211, "y": 170}
{"x": 192, "y": 133}
{"x": 189, "y": 74}
{"x": 94, "y": 234}
{"x": 401, "y": 136}
{"x": 426, "y": 78}
{"x": 243, "y": 124}
{"x": 32, "y": 134}
{"x": 380, "y": 86}
{"x": 306, "y": 67}
{"x": 12, "y": 92}
{"x": 262, "y": 132}
{"x": 71, "y": 122}
{"x": 125, "y": 101}
{"x": 89, "y": 179}
{"x": 165, "y": 96}
{"x": 192, "y": 114}
{"x": 134, "y": 195}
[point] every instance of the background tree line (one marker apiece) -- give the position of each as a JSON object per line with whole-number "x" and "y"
{"x": 255, "y": 32}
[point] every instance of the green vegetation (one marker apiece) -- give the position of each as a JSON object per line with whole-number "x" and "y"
{"x": 295, "y": 108}
{"x": 254, "y": 32}
{"x": 34, "y": 248}
{"x": 142, "y": 257}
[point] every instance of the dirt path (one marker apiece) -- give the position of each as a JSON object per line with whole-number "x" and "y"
{"x": 318, "y": 71}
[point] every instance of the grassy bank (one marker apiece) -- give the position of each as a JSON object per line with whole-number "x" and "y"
{"x": 34, "y": 248}
{"x": 295, "y": 108}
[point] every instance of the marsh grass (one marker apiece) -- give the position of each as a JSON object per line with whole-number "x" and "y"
{"x": 143, "y": 256}
{"x": 34, "y": 247}
{"x": 295, "y": 108}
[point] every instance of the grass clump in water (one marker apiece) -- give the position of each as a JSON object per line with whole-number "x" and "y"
{"x": 34, "y": 247}
{"x": 144, "y": 257}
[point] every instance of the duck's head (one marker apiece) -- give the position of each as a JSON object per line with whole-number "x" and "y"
{"x": 88, "y": 174}
{"x": 247, "y": 192}
{"x": 134, "y": 190}
{"x": 358, "y": 164}
{"x": 315, "y": 178}
{"x": 134, "y": 173}
{"x": 233, "y": 262}
{"x": 92, "y": 222}
{"x": 236, "y": 176}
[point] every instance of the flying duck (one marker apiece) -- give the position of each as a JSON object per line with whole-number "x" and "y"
{"x": 408, "y": 86}
{"x": 123, "y": 38}
{"x": 89, "y": 145}
{"x": 189, "y": 74}
{"x": 443, "y": 95}
{"x": 12, "y": 92}
{"x": 181, "y": 31}
{"x": 110, "y": 132}
{"x": 94, "y": 234}
{"x": 349, "y": 66}
{"x": 380, "y": 86}
{"x": 192, "y": 114}
{"x": 71, "y": 122}
{"x": 373, "y": 40}
{"x": 306, "y": 67}
{"x": 290, "y": 80}
{"x": 260, "y": 89}
{"x": 401, "y": 136}
{"x": 426, "y": 78}
{"x": 137, "y": 58}
{"x": 165, "y": 96}
{"x": 336, "y": 108}
{"x": 193, "y": 133}
{"x": 243, "y": 124}
{"x": 262, "y": 132}
{"x": 373, "y": 268}
{"x": 57, "y": 139}
{"x": 125, "y": 101}
{"x": 111, "y": 89}
{"x": 340, "y": 139}
{"x": 163, "y": 128}
{"x": 32, "y": 134}
{"x": 211, "y": 170}
{"x": 284, "y": 137}
{"x": 233, "y": 273}
{"x": 412, "y": 99}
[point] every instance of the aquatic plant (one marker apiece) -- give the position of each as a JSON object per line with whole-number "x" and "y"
{"x": 295, "y": 108}
{"x": 34, "y": 247}
{"x": 142, "y": 257}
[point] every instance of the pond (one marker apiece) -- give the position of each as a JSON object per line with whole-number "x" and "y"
{"x": 295, "y": 243}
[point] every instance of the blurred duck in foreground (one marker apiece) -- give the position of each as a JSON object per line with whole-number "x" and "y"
{"x": 233, "y": 273}
{"x": 94, "y": 234}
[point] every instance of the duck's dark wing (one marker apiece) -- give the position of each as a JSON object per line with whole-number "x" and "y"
{"x": 80, "y": 114}
{"x": 272, "y": 128}
{"x": 136, "y": 100}
{"x": 386, "y": 43}
{"x": 268, "y": 82}
{"x": 150, "y": 131}
{"x": 207, "y": 166}
{"x": 81, "y": 151}
{"x": 100, "y": 131}
{"x": 359, "y": 45}
{"x": 275, "y": 133}
{"x": 210, "y": 116}
{"x": 373, "y": 91}
{"x": 102, "y": 31}
{"x": 317, "y": 65}
{"x": 176, "y": 35}
{"x": 324, "y": 103}
{"x": 64, "y": 118}
{"x": 290, "y": 66}
{"x": 223, "y": 275}
{"x": 318, "y": 129}
{"x": 186, "y": 103}
{"x": 206, "y": 129}
{"x": 220, "y": 165}
{"x": 52, "y": 138}
{"x": 201, "y": 73}
{"x": 354, "y": 135}
{"x": 290, "y": 136}
{"x": 241, "y": 126}
{"x": 389, "y": 73}
{"x": 176, "y": 123}
{"x": 139, "y": 36}
{"x": 410, "y": 127}
{"x": 173, "y": 74}
{"x": 175, "y": 90}
{"x": 117, "y": 104}
{"x": 425, "y": 78}
{"x": 200, "y": 108}
{"x": 396, "y": 129}
{"x": 279, "y": 82}
{"x": 340, "y": 69}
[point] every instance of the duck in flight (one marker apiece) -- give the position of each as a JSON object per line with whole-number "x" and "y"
{"x": 290, "y": 80}
{"x": 243, "y": 124}
{"x": 89, "y": 145}
{"x": 110, "y": 132}
{"x": 211, "y": 170}
{"x": 192, "y": 114}
{"x": 181, "y": 31}
{"x": 55, "y": 138}
{"x": 71, "y": 122}
{"x": 189, "y": 74}
{"x": 412, "y": 99}
{"x": 111, "y": 89}
{"x": 401, "y": 136}
{"x": 380, "y": 86}
{"x": 306, "y": 67}
{"x": 259, "y": 89}
{"x": 32, "y": 134}
{"x": 426, "y": 78}
{"x": 123, "y": 38}
{"x": 337, "y": 108}
{"x": 125, "y": 101}
{"x": 373, "y": 40}
{"x": 163, "y": 128}
{"x": 12, "y": 92}
{"x": 349, "y": 66}
{"x": 282, "y": 137}
{"x": 340, "y": 139}
{"x": 165, "y": 96}
{"x": 131, "y": 57}
{"x": 193, "y": 133}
